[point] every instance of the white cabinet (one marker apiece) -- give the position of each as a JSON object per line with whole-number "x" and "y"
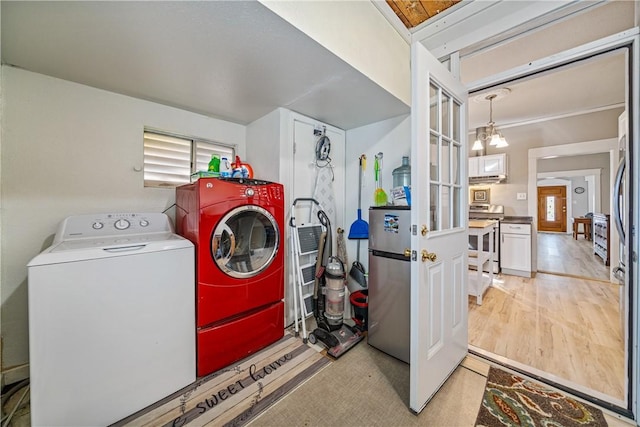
{"x": 473, "y": 166}
{"x": 515, "y": 249}
{"x": 492, "y": 165}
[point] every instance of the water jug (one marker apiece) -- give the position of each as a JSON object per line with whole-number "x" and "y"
{"x": 402, "y": 174}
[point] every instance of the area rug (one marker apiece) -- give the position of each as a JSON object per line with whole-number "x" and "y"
{"x": 237, "y": 394}
{"x": 510, "y": 400}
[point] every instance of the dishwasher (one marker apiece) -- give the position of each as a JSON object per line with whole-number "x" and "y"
{"x": 390, "y": 280}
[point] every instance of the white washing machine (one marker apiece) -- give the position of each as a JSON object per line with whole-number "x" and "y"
{"x": 111, "y": 318}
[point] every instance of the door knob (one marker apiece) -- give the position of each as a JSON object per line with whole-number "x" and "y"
{"x": 407, "y": 252}
{"x": 424, "y": 230}
{"x": 428, "y": 256}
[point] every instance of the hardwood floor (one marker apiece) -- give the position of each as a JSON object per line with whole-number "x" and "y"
{"x": 562, "y": 254}
{"x": 565, "y": 326}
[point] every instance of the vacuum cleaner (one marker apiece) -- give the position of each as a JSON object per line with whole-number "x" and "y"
{"x": 328, "y": 303}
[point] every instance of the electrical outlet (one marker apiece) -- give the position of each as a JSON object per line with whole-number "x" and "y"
{"x": 521, "y": 196}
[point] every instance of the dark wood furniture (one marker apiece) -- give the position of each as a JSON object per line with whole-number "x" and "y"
{"x": 601, "y": 236}
{"x": 586, "y": 227}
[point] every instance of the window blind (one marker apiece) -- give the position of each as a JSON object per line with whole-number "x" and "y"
{"x": 169, "y": 161}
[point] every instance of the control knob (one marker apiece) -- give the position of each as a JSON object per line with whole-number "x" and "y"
{"x": 121, "y": 224}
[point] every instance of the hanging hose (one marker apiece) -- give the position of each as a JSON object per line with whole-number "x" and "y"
{"x": 328, "y": 248}
{"x": 342, "y": 247}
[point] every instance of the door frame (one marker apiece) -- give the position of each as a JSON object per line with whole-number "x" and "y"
{"x": 609, "y": 145}
{"x": 593, "y": 178}
{"x": 631, "y": 39}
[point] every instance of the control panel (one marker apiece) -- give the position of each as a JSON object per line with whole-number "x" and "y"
{"x": 112, "y": 224}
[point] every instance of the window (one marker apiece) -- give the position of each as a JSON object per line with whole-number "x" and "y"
{"x": 170, "y": 160}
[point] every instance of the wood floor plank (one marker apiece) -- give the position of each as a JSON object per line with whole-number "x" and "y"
{"x": 562, "y": 254}
{"x": 566, "y": 326}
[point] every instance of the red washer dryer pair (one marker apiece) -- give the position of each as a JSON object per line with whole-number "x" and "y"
{"x": 236, "y": 225}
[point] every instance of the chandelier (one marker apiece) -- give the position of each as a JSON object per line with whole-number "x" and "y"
{"x": 489, "y": 133}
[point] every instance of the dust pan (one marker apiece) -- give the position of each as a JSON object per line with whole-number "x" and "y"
{"x": 359, "y": 229}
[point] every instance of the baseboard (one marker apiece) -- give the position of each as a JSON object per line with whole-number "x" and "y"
{"x": 14, "y": 374}
{"x": 520, "y": 273}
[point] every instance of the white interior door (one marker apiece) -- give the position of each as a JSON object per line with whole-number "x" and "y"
{"x": 439, "y": 218}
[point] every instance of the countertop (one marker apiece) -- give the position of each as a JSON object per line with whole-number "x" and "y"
{"x": 517, "y": 220}
{"x": 474, "y": 223}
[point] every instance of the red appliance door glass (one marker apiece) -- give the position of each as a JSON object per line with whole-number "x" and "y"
{"x": 245, "y": 241}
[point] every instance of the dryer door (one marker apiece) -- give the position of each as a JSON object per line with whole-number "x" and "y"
{"x": 245, "y": 241}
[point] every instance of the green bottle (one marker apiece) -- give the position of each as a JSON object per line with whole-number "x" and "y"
{"x": 214, "y": 163}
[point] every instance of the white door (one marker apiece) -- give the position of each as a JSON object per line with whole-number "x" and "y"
{"x": 439, "y": 219}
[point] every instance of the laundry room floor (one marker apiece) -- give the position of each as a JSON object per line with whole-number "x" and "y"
{"x": 366, "y": 387}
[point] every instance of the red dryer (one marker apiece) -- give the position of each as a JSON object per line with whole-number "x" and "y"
{"x": 236, "y": 225}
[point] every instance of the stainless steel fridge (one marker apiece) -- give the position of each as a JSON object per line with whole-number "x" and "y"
{"x": 390, "y": 280}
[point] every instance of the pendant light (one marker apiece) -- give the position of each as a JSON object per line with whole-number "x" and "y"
{"x": 489, "y": 134}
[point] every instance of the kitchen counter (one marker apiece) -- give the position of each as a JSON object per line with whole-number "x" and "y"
{"x": 476, "y": 223}
{"x": 517, "y": 220}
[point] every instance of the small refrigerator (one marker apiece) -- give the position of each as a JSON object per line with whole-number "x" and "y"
{"x": 389, "y": 308}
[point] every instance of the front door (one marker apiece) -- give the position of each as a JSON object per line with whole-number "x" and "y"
{"x": 552, "y": 208}
{"x": 439, "y": 236}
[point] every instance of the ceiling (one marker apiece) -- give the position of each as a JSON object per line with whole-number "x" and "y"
{"x": 238, "y": 61}
{"x": 414, "y": 12}
{"x": 591, "y": 85}
{"x": 234, "y": 60}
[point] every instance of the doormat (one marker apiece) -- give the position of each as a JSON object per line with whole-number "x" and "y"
{"x": 235, "y": 395}
{"x": 510, "y": 400}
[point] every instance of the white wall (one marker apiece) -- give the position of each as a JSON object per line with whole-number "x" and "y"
{"x": 369, "y": 43}
{"x": 392, "y": 137}
{"x": 282, "y": 146}
{"x": 71, "y": 149}
{"x": 609, "y": 18}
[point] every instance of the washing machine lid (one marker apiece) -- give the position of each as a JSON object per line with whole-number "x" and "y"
{"x": 97, "y": 248}
{"x": 95, "y": 236}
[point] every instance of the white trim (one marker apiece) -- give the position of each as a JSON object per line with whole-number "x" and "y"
{"x": 593, "y": 178}
{"x": 463, "y": 27}
{"x": 561, "y": 116}
{"x": 609, "y": 145}
{"x": 566, "y": 57}
{"x": 393, "y": 19}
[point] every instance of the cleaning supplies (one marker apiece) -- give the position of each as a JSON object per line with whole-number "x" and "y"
{"x": 214, "y": 163}
{"x": 225, "y": 167}
{"x": 379, "y": 196}
{"x": 359, "y": 229}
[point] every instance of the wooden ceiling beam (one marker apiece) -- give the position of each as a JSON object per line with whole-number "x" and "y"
{"x": 414, "y": 12}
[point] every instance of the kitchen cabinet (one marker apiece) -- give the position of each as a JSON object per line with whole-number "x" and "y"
{"x": 515, "y": 249}
{"x": 491, "y": 165}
